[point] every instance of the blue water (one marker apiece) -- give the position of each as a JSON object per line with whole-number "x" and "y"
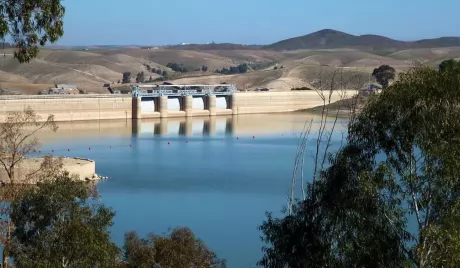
{"x": 220, "y": 185}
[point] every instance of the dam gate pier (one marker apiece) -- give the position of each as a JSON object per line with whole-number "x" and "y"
{"x": 161, "y": 101}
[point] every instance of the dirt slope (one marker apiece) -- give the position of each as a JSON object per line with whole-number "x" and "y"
{"x": 90, "y": 69}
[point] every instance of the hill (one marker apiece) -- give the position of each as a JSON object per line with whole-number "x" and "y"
{"x": 328, "y": 38}
{"x": 279, "y": 70}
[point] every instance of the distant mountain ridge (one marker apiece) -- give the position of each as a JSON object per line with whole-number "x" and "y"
{"x": 323, "y": 39}
{"x": 330, "y": 39}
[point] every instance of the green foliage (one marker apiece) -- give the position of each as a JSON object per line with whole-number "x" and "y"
{"x": 399, "y": 166}
{"x": 177, "y": 67}
{"x": 60, "y": 224}
{"x": 416, "y": 125}
{"x": 30, "y": 24}
{"x": 157, "y": 71}
{"x": 180, "y": 248}
{"x": 149, "y": 68}
{"x": 384, "y": 74}
{"x": 242, "y": 68}
{"x": 383, "y": 52}
{"x": 339, "y": 224}
{"x": 140, "y": 77}
{"x": 126, "y": 77}
{"x": 447, "y": 64}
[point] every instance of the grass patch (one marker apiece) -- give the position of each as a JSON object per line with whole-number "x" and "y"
{"x": 383, "y": 52}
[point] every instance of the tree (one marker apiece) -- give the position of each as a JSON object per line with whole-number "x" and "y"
{"x": 17, "y": 142}
{"x": 384, "y": 74}
{"x": 177, "y": 67}
{"x": 357, "y": 213}
{"x": 446, "y": 64}
{"x": 204, "y": 68}
{"x": 416, "y": 126}
{"x": 243, "y": 68}
{"x": 140, "y": 77}
{"x": 61, "y": 224}
{"x": 126, "y": 77}
{"x": 180, "y": 248}
{"x": 164, "y": 73}
{"x": 30, "y": 23}
{"x": 302, "y": 237}
{"x": 17, "y": 138}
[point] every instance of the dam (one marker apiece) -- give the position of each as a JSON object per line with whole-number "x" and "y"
{"x": 182, "y": 100}
{"x": 167, "y": 101}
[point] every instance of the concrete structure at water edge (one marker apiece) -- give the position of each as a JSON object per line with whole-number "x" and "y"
{"x": 84, "y": 170}
{"x": 166, "y": 101}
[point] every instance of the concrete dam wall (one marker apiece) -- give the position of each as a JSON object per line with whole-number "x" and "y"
{"x": 275, "y": 102}
{"x": 70, "y": 108}
{"x": 103, "y": 107}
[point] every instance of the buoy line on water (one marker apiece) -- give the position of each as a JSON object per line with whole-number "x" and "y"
{"x": 168, "y": 142}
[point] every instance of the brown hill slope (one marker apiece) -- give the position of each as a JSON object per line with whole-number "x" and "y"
{"x": 276, "y": 70}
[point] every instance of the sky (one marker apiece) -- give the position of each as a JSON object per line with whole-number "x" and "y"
{"x": 153, "y": 22}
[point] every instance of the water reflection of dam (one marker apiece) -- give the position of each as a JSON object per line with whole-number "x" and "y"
{"x": 220, "y": 125}
{"x": 239, "y": 125}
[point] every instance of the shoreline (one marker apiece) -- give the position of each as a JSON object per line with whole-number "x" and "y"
{"x": 83, "y": 169}
{"x": 337, "y": 108}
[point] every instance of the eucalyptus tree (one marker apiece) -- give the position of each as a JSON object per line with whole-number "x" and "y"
{"x": 28, "y": 24}
{"x": 415, "y": 126}
{"x": 60, "y": 223}
{"x": 391, "y": 196}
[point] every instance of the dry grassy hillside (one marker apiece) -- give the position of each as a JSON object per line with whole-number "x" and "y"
{"x": 191, "y": 59}
{"x": 430, "y": 56}
{"x": 92, "y": 68}
{"x": 249, "y": 80}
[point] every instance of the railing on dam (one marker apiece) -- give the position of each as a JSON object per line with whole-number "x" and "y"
{"x": 63, "y": 96}
{"x": 182, "y": 90}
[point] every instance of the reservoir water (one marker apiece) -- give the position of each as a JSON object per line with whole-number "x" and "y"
{"x": 217, "y": 177}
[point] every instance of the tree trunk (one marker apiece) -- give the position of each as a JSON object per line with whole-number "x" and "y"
{"x": 5, "y": 259}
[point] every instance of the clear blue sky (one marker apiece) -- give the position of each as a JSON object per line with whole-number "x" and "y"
{"x": 144, "y": 22}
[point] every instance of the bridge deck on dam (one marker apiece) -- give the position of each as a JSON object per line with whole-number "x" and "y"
{"x": 182, "y": 90}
